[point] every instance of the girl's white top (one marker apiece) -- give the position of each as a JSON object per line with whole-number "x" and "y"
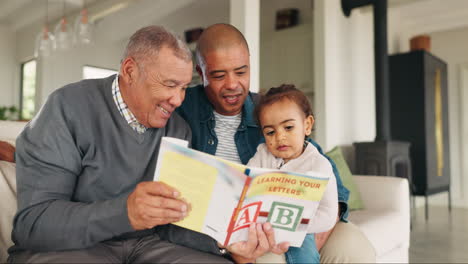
{"x": 309, "y": 160}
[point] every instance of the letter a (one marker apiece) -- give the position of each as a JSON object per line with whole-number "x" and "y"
{"x": 244, "y": 218}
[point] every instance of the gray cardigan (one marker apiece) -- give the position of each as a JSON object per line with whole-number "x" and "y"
{"x": 77, "y": 162}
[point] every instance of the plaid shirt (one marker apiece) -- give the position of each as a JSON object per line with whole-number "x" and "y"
{"x": 123, "y": 108}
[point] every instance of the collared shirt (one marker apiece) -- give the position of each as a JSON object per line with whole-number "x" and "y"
{"x": 123, "y": 108}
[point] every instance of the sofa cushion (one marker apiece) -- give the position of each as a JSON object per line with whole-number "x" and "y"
{"x": 7, "y": 206}
{"x": 9, "y": 130}
{"x": 382, "y": 228}
{"x": 354, "y": 201}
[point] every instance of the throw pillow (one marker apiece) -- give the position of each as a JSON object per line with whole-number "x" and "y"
{"x": 354, "y": 201}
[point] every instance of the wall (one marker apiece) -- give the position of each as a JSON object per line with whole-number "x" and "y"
{"x": 286, "y": 56}
{"x": 8, "y": 67}
{"x": 344, "y": 80}
{"x": 111, "y": 37}
{"x": 65, "y": 67}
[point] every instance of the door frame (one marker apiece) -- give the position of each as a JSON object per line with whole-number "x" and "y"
{"x": 463, "y": 86}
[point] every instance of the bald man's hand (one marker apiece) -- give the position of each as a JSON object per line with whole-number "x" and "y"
{"x": 155, "y": 203}
{"x": 7, "y": 151}
{"x": 261, "y": 240}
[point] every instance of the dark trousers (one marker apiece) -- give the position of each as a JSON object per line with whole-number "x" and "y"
{"x": 149, "y": 249}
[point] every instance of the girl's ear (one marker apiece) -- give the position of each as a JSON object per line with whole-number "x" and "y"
{"x": 308, "y": 124}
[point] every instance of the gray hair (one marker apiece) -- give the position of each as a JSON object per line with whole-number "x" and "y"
{"x": 146, "y": 43}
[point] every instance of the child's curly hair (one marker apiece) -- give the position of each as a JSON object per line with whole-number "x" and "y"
{"x": 284, "y": 91}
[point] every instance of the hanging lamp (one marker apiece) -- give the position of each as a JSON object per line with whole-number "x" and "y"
{"x": 84, "y": 28}
{"x": 62, "y": 32}
{"x": 45, "y": 41}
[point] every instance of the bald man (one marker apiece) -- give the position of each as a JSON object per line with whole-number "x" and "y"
{"x": 220, "y": 114}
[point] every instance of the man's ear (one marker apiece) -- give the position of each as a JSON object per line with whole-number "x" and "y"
{"x": 308, "y": 124}
{"x": 200, "y": 73}
{"x": 129, "y": 70}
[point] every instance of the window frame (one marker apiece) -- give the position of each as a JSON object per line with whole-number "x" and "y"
{"x": 97, "y": 67}
{"x": 21, "y": 98}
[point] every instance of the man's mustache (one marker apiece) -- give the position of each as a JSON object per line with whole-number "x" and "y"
{"x": 233, "y": 92}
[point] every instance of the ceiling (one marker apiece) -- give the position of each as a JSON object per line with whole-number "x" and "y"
{"x": 21, "y": 13}
{"x": 18, "y": 14}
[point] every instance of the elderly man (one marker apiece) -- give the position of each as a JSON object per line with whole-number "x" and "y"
{"x": 85, "y": 164}
{"x": 220, "y": 113}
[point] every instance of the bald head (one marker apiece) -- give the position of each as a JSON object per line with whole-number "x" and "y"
{"x": 218, "y": 37}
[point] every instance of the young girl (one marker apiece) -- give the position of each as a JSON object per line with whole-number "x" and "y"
{"x": 285, "y": 118}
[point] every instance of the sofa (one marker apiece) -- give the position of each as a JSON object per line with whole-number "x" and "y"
{"x": 385, "y": 219}
{"x": 9, "y": 130}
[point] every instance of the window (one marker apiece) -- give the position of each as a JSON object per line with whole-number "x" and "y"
{"x": 91, "y": 72}
{"x": 28, "y": 90}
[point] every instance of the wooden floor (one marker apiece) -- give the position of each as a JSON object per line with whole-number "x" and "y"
{"x": 442, "y": 239}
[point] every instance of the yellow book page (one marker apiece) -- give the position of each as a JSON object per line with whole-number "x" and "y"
{"x": 287, "y": 185}
{"x": 173, "y": 172}
{"x": 236, "y": 166}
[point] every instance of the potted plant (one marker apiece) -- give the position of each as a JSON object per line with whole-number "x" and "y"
{"x": 8, "y": 113}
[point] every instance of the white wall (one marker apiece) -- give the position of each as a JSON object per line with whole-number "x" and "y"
{"x": 64, "y": 67}
{"x": 111, "y": 37}
{"x": 286, "y": 56}
{"x": 344, "y": 80}
{"x": 8, "y": 67}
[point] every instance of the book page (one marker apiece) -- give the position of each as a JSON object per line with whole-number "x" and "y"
{"x": 212, "y": 186}
{"x": 287, "y": 200}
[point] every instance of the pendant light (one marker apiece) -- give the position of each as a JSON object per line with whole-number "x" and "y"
{"x": 63, "y": 35}
{"x": 45, "y": 41}
{"x": 83, "y": 28}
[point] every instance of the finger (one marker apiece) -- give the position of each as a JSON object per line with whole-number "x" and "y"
{"x": 163, "y": 203}
{"x": 189, "y": 205}
{"x": 252, "y": 241}
{"x": 283, "y": 247}
{"x": 270, "y": 234}
{"x": 151, "y": 212}
{"x": 160, "y": 189}
{"x": 263, "y": 245}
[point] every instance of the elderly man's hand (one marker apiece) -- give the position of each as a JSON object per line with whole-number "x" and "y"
{"x": 155, "y": 203}
{"x": 7, "y": 151}
{"x": 260, "y": 241}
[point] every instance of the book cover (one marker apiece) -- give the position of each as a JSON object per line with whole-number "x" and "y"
{"x": 227, "y": 197}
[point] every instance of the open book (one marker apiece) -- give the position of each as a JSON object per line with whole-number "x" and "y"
{"x": 227, "y": 197}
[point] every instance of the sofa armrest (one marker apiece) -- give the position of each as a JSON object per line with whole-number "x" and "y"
{"x": 9, "y": 130}
{"x": 385, "y": 218}
{"x": 384, "y": 192}
{"x": 7, "y": 206}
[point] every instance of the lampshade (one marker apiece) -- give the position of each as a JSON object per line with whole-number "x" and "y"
{"x": 45, "y": 43}
{"x": 63, "y": 35}
{"x": 83, "y": 29}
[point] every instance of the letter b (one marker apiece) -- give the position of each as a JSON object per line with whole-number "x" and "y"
{"x": 284, "y": 216}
